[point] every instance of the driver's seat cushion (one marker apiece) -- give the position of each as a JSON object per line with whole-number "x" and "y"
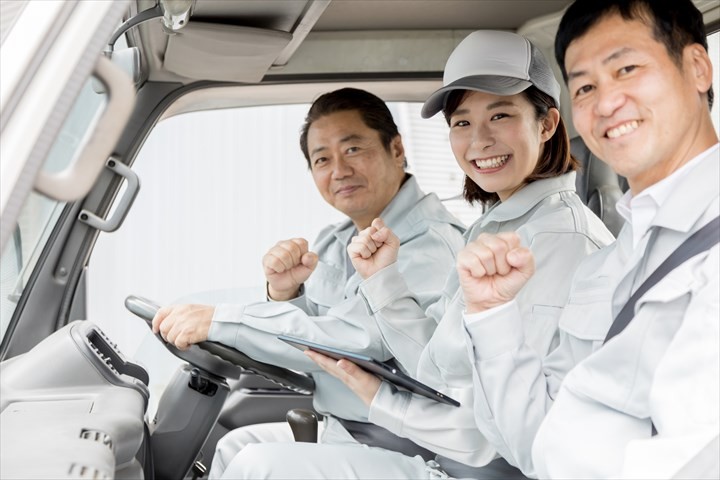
{"x": 598, "y": 186}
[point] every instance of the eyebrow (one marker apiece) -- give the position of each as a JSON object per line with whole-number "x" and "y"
{"x": 351, "y": 137}
{"x": 499, "y": 103}
{"x": 317, "y": 150}
{"x": 345, "y": 139}
{"x": 613, "y": 56}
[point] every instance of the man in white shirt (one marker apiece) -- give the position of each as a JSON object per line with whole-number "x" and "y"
{"x": 644, "y": 403}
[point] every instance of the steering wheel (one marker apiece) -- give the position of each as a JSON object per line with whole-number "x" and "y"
{"x": 219, "y": 359}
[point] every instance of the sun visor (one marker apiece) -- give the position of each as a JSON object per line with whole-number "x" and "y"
{"x": 223, "y": 52}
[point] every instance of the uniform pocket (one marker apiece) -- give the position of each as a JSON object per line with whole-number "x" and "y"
{"x": 541, "y": 332}
{"x": 588, "y": 314}
{"x": 675, "y": 285}
{"x": 326, "y": 286}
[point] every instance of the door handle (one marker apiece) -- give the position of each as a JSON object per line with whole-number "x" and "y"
{"x": 123, "y": 206}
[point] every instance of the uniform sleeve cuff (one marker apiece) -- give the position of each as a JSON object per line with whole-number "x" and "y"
{"x": 495, "y": 331}
{"x": 388, "y": 407}
{"x": 382, "y": 288}
{"x": 225, "y": 323}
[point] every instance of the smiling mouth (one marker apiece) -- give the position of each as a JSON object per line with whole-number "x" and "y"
{"x": 623, "y": 129}
{"x": 346, "y": 190}
{"x": 493, "y": 162}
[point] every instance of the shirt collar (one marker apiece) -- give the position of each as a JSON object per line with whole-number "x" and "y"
{"x": 645, "y": 209}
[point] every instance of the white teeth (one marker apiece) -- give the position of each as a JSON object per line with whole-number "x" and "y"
{"x": 623, "y": 129}
{"x": 492, "y": 162}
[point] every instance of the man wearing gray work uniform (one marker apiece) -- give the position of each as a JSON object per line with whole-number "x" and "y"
{"x": 357, "y": 160}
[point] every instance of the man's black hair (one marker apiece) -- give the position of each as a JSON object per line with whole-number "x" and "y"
{"x": 674, "y": 23}
{"x": 371, "y": 108}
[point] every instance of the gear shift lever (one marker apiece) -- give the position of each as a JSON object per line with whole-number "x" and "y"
{"x": 304, "y": 424}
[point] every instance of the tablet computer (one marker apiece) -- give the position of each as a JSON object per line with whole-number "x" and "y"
{"x": 386, "y": 371}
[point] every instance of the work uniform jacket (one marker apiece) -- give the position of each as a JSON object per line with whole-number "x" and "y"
{"x": 329, "y": 312}
{"x": 662, "y": 369}
{"x": 552, "y": 221}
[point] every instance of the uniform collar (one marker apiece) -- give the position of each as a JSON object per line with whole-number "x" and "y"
{"x": 396, "y": 215}
{"x": 527, "y": 197}
{"x": 687, "y": 200}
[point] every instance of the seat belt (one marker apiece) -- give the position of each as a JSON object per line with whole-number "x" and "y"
{"x": 700, "y": 241}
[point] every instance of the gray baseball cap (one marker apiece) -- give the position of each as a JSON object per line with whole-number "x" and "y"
{"x": 491, "y": 61}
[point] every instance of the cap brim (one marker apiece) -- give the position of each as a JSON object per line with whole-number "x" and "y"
{"x": 494, "y": 84}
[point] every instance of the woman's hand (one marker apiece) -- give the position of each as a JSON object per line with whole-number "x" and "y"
{"x": 365, "y": 385}
{"x": 492, "y": 269}
{"x": 373, "y": 249}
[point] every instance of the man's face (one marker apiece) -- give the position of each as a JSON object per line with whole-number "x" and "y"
{"x": 632, "y": 105}
{"x": 351, "y": 169}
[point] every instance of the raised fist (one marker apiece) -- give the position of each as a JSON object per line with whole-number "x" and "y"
{"x": 288, "y": 265}
{"x": 492, "y": 269}
{"x": 373, "y": 249}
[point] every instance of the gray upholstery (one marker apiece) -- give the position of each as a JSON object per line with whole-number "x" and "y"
{"x": 598, "y": 185}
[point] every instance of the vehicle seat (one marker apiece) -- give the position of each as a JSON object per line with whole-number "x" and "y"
{"x": 598, "y": 186}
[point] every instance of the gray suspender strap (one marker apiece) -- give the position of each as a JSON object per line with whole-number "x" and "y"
{"x": 698, "y": 242}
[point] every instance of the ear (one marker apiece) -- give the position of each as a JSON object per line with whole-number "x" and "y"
{"x": 698, "y": 65}
{"x": 549, "y": 124}
{"x": 397, "y": 150}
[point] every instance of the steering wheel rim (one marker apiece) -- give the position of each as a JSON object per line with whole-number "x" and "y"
{"x": 220, "y": 359}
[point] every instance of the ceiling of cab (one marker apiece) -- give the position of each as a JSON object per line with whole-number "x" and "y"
{"x": 434, "y": 14}
{"x": 245, "y": 40}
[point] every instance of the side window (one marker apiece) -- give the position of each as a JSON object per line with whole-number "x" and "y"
{"x": 39, "y": 213}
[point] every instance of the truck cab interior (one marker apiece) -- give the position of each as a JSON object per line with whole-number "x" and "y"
{"x": 150, "y": 156}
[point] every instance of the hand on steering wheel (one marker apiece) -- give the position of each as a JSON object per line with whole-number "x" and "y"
{"x": 222, "y": 360}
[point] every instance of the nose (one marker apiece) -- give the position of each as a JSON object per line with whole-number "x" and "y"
{"x": 341, "y": 168}
{"x": 608, "y": 99}
{"x": 482, "y": 138}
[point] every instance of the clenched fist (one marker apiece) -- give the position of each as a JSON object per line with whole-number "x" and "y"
{"x": 373, "y": 249}
{"x": 492, "y": 269}
{"x": 288, "y": 265}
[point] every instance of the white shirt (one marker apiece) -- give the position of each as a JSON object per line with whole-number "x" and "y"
{"x": 639, "y": 210}
{"x": 664, "y": 368}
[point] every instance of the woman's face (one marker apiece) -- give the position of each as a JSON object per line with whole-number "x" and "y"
{"x": 497, "y": 140}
